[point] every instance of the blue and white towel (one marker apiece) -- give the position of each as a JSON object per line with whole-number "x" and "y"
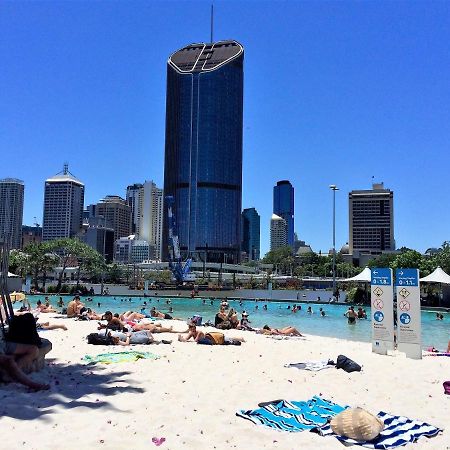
{"x": 311, "y": 365}
{"x": 293, "y": 416}
{"x": 398, "y": 430}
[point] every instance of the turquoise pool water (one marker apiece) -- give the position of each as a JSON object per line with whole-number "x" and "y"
{"x": 334, "y": 324}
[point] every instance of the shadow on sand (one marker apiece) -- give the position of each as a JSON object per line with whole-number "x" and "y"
{"x": 73, "y": 385}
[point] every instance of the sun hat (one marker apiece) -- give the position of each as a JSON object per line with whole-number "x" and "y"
{"x": 245, "y": 313}
{"x": 358, "y": 424}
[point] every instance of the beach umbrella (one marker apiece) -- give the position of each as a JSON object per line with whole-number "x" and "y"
{"x": 17, "y": 297}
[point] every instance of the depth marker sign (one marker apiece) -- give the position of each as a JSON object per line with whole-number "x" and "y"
{"x": 382, "y": 311}
{"x": 408, "y": 312}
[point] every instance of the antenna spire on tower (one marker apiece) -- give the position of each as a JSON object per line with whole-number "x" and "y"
{"x": 66, "y": 168}
{"x": 212, "y": 22}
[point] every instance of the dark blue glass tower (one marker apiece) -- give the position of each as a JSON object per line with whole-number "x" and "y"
{"x": 251, "y": 224}
{"x": 283, "y": 206}
{"x": 203, "y": 156}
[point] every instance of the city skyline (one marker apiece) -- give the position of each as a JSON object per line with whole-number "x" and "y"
{"x": 350, "y": 97}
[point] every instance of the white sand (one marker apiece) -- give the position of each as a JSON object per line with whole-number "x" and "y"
{"x": 191, "y": 394}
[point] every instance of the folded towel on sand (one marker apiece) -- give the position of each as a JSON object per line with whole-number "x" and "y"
{"x": 293, "y": 416}
{"x": 310, "y": 365}
{"x": 437, "y": 354}
{"x": 110, "y": 358}
{"x": 398, "y": 430}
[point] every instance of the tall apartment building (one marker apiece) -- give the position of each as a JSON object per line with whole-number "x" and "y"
{"x": 97, "y": 233}
{"x": 63, "y": 206}
{"x": 11, "y": 211}
{"x": 132, "y": 197}
{"x": 117, "y": 213}
{"x": 251, "y": 223}
{"x": 283, "y": 206}
{"x": 278, "y": 232}
{"x": 203, "y": 152}
{"x": 146, "y": 202}
{"x": 371, "y": 220}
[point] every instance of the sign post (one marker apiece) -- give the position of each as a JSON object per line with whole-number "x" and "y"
{"x": 382, "y": 311}
{"x": 408, "y": 312}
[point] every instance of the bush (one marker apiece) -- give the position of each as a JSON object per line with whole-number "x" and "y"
{"x": 355, "y": 295}
{"x": 81, "y": 289}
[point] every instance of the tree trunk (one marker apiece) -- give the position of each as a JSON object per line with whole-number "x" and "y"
{"x": 63, "y": 270}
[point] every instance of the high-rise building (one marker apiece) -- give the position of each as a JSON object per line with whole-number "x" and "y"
{"x": 63, "y": 206}
{"x": 251, "y": 233}
{"x": 117, "y": 213}
{"x": 132, "y": 197}
{"x": 203, "y": 155}
{"x": 11, "y": 211}
{"x": 283, "y": 206}
{"x": 371, "y": 220}
{"x": 278, "y": 232}
{"x": 131, "y": 250}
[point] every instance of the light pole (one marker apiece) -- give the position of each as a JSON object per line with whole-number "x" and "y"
{"x": 334, "y": 188}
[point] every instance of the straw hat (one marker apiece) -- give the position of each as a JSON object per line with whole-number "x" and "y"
{"x": 358, "y": 424}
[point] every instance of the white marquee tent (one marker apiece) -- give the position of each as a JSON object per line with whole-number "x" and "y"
{"x": 438, "y": 276}
{"x": 364, "y": 277}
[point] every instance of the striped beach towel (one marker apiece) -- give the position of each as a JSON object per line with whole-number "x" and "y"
{"x": 293, "y": 416}
{"x": 398, "y": 430}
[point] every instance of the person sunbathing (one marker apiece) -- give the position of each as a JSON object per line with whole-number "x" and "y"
{"x": 44, "y": 308}
{"x": 12, "y": 369}
{"x": 114, "y": 323}
{"x": 160, "y": 315}
{"x": 286, "y": 331}
{"x": 131, "y": 315}
{"x": 47, "y": 326}
{"x": 143, "y": 337}
{"x": 192, "y": 332}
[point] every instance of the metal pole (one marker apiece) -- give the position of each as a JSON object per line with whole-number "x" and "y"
{"x": 334, "y": 188}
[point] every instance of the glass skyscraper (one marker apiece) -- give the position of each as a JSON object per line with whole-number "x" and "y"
{"x": 283, "y": 206}
{"x": 251, "y": 224}
{"x": 203, "y": 155}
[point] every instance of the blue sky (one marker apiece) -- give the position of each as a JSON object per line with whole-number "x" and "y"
{"x": 335, "y": 93}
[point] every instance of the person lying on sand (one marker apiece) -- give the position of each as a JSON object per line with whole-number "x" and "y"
{"x": 131, "y": 315}
{"x": 192, "y": 332}
{"x": 160, "y": 315}
{"x": 114, "y": 323}
{"x": 286, "y": 331}
{"x": 9, "y": 365}
{"x": 143, "y": 337}
{"x": 47, "y": 326}
{"x": 217, "y": 338}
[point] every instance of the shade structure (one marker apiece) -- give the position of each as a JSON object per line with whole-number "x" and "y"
{"x": 364, "y": 277}
{"x": 12, "y": 275}
{"x": 438, "y": 276}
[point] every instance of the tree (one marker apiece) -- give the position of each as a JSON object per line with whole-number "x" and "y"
{"x": 39, "y": 259}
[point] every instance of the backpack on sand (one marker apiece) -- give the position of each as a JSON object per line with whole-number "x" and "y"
{"x": 99, "y": 339}
{"x": 347, "y": 364}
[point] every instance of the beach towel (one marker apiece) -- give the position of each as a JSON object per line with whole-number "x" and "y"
{"x": 310, "y": 365}
{"x": 437, "y": 354}
{"x": 110, "y": 358}
{"x": 293, "y": 416}
{"x": 398, "y": 431}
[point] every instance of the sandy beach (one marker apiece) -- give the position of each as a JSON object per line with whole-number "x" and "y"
{"x": 191, "y": 393}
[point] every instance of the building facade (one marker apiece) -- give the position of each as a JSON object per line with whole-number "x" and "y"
{"x": 131, "y": 250}
{"x": 278, "y": 232}
{"x": 117, "y": 213}
{"x": 132, "y": 197}
{"x": 251, "y": 229}
{"x": 371, "y": 220}
{"x": 283, "y": 206}
{"x": 203, "y": 153}
{"x": 63, "y": 206}
{"x": 97, "y": 234}
{"x": 11, "y": 211}
{"x": 31, "y": 235}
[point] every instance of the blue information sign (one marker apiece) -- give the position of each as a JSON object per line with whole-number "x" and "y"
{"x": 407, "y": 277}
{"x": 381, "y": 277}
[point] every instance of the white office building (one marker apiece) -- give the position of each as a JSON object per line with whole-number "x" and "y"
{"x": 278, "y": 232}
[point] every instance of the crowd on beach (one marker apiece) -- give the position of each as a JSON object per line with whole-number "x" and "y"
{"x": 139, "y": 327}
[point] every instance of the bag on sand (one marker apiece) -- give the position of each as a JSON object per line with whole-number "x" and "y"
{"x": 22, "y": 330}
{"x": 347, "y": 364}
{"x": 446, "y": 387}
{"x": 214, "y": 336}
{"x": 99, "y": 339}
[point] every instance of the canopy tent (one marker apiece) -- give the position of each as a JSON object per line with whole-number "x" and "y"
{"x": 438, "y": 276}
{"x": 364, "y": 277}
{"x": 12, "y": 275}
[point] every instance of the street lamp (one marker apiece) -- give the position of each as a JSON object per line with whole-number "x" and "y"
{"x": 334, "y": 188}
